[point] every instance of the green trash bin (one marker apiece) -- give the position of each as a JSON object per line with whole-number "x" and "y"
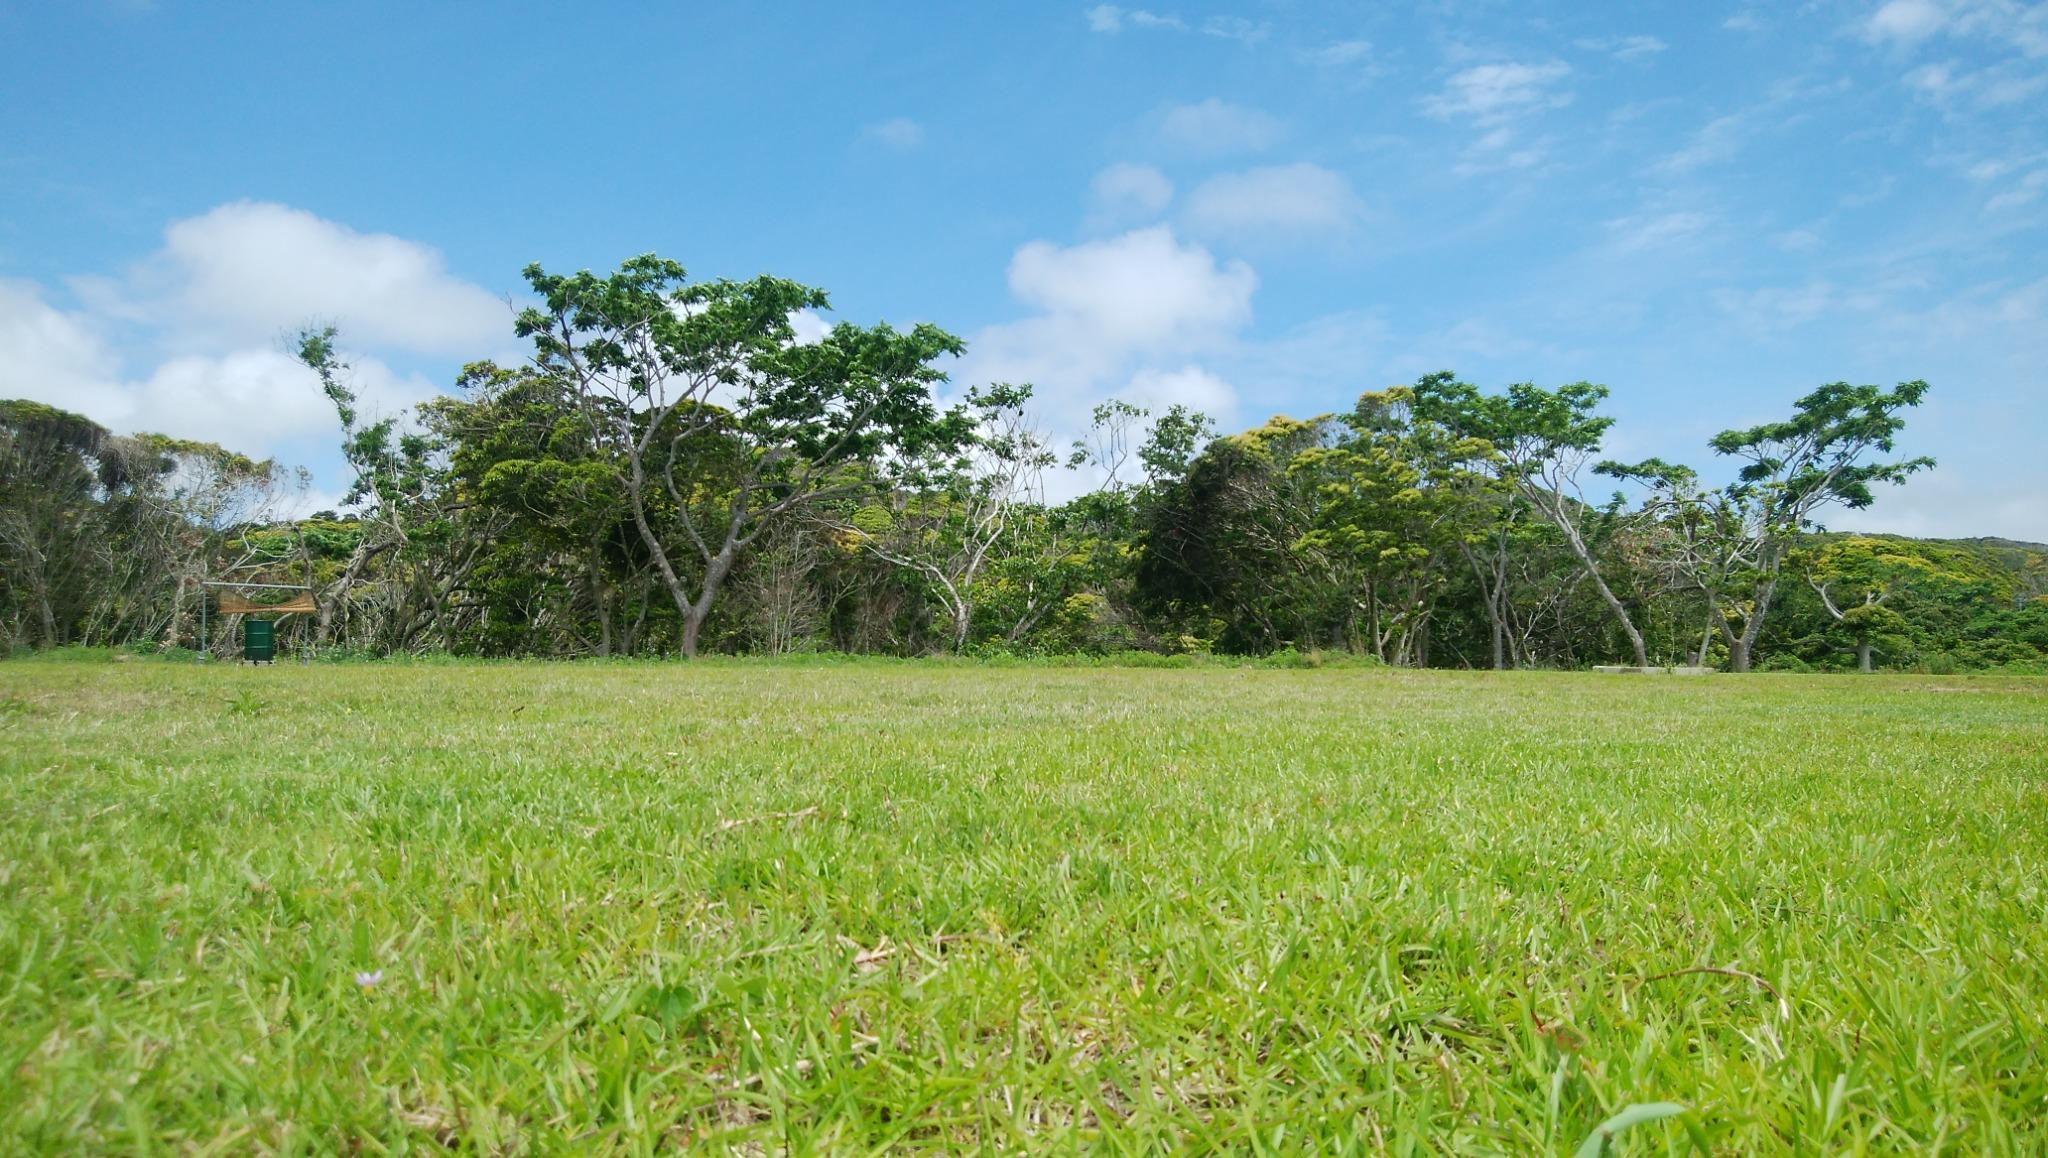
{"x": 259, "y": 641}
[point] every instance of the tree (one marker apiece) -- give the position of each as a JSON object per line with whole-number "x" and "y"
{"x": 412, "y": 526}
{"x": 1544, "y": 439}
{"x": 522, "y": 447}
{"x": 104, "y": 537}
{"x": 1797, "y": 468}
{"x": 1177, "y": 437}
{"x": 1397, "y": 497}
{"x": 726, "y": 421}
{"x": 1855, "y": 578}
{"x": 48, "y": 518}
{"x": 1219, "y": 549}
{"x": 946, "y": 529}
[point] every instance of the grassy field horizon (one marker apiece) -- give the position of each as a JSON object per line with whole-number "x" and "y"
{"x": 858, "y": 906}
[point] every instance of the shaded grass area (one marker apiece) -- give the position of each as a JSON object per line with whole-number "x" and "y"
{"x": 857, "y": 907}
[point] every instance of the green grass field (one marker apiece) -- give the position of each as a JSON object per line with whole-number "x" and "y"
{"x": 856, "y": 907}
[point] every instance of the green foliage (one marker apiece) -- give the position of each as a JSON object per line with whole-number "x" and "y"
{"x": 674, "y": 471}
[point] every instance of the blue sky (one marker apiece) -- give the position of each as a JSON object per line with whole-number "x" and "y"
{"x": 1256, "y": 207}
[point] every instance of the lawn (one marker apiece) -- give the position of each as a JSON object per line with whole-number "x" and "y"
{"x": 849, "y": 907}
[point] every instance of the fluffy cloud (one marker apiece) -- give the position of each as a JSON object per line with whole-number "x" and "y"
{"x": 1132, "y": 316}
{"x": 186, "y": 342}
{"x": 1906, "y": 21}
{"x": 1189, "y": 386}
{"x": 247, "y": 399}
{"x": 246, "y": 271}
{"x": 1215, "y": 127}
{"x": 1278, "y": 202}
{"x": 1125, "y": 191}
{"x": 1144, "y": 290}
{"x": 48, "y": 354}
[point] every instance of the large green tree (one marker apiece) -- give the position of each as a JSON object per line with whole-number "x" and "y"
{"x": 1823, "y": 456}
{"x": 727, "y": 422}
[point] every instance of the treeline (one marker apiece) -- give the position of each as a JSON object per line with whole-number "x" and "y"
{"x": 673, "y": 471}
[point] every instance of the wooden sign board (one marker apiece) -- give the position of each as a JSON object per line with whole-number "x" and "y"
{"x": 233, "y": 604}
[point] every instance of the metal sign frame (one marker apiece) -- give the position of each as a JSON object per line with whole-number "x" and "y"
{"x": 302, "y": 605}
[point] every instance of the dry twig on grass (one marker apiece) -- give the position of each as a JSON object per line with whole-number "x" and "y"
{"x": 1784, "y": 1006}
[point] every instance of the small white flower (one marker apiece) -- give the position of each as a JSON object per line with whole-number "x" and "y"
{"x": 371, "y": 978}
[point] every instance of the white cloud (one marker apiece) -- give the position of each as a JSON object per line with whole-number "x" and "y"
{"x": 899, "y": 133}
{"x": 1494, "y": 98}
{"x": 1286, "y": 201}
{"x": 1629, "y": 49}
{"x": 1501, "y": 150}
{"x": 257, "y": 398}
{"x": 249, "y": 270}
{"x": 1773, "y": 310}
{"x": 1949, "y": 84}
{"x": 1906, "y": 21}
{"x": 1719, "y": 140}
{"x": 1189, "y": 386}
{"x": 246, "y": 399}
{"x": 1102, "y": 311}
{"x": 1655, "y": 231}
{"x": 1131, "y": 316}
{"x": 2011, "y": 24}
{"x": 1952, "y": 501}
{"x": 1341, "y": 53}
{"x": 810, "y": 326}
{"x": 187, "y": 341}
{"x": 50, "y": 355}
{"x": 1797, "y": 241}
{"x": 1246, "y": 32}
{"x": 2024, "y": 192}
{"x": 1143, "y": 290}
{"x": 1110, "y": 18}
{"x": 1491, "y": 93}
{"x": 1215, "y": 127}
{"x": 1126, "y": 191}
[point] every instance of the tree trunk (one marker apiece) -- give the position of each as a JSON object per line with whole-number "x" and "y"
{"x": 600, "y": 597}
{"x": 46, "y": 616}
{"x": 1560, "y": 518}
{"x": 1863, "y": 656}
{"x": 1741, "y": 647}
{"x": 695, "y": 613}
{"x": 1738, "y": 653}
{"x": 1493, "y": 590}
